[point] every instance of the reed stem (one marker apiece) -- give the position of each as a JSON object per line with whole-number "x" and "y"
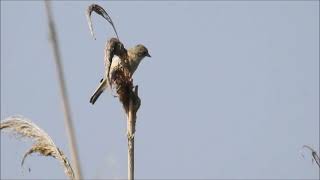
{"x": 64, "y": 97}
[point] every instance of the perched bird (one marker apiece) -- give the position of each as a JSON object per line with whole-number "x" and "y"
{"x": 117, "y": 56}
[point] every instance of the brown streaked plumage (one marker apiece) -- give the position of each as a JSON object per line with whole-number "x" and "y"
{"x": 117, "y": 56}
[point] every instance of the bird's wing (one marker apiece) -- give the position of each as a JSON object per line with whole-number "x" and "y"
{"x": 113, "y": 48}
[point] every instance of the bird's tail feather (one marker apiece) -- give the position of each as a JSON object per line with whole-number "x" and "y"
{"x": 103, "y": 85}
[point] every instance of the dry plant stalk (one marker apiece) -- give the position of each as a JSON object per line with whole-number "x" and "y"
{"x": 314, "y": 154}
{"x": 64, "y": 97}
{"x": 131, "y": 103}
{"x": 134, "y": 103}
{"x": 43, "y": 144}
{"x": 122, "y": 81}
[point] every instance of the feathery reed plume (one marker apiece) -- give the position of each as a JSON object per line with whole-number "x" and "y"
{"x": 314, "y": 154}
{"x": 63, "y": 90}
{"x": 43, "y": 144}
{"x": 99, "y": 10}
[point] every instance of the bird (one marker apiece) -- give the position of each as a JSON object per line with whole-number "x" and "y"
{"x": 117, "y": 56}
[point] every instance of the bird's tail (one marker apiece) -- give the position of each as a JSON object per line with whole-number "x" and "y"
{"x": 102, "y": 86}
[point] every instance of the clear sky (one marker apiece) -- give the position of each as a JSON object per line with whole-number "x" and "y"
{"x": 231, "y": 90}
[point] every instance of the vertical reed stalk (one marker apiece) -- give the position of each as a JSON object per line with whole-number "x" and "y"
{"x": 130, "y": 135}
{"x": 63, "y": 91}
{"x": 131, "y": 125}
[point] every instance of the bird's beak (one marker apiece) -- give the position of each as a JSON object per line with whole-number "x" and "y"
{"x": 148, "y": 55}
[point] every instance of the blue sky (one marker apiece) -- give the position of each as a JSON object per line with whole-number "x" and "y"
{"x": 231, "y": 90}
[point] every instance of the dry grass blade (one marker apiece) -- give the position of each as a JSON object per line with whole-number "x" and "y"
{"x": 43, "y": 144}
{"x": 99, "y": 10}
{"x": 314, "y": 154}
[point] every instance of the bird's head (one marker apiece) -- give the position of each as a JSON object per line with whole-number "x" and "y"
{"x": 141, "y": 51}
